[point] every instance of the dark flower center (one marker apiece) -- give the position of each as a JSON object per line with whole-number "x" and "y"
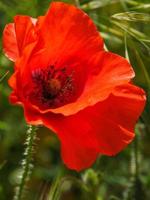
{"x": 52, "y": 87}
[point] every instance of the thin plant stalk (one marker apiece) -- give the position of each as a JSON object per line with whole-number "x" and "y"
{"x": 3, "y": 77}
{"x": 27, "y": 165}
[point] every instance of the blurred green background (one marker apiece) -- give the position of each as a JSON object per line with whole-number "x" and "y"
{"x": 125, "y": 176}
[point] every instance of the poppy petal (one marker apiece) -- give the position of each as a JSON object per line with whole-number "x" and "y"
{"x": 112, "y": 70}
{"x": 68, "y": 31}
{"x": 14, "y": 98}
{"x": 32, "y": 115}
{"x": 12, "y": 80}
{"x": 100, "y": 129}
{"x": 10, "y": 46}
{"x": 78, "y": 149}
{"x": 25, "y": 33}
{"x": 17, "y": 35}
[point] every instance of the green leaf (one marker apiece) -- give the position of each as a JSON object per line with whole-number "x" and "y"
{"x": 132, "y": 16}
{"x": 142, "y": 6}
{"x": 96, "y": 4}
{"x": 126, "y": 48}
{"x": 134, "y": 33}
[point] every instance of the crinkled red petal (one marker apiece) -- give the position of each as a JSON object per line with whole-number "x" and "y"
{"x": 105, "y": 128}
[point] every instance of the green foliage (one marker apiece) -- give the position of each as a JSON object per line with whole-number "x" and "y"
{"x": 125, "y": 27}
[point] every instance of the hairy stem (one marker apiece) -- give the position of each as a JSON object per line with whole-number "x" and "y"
{"x": 27, "y": 162}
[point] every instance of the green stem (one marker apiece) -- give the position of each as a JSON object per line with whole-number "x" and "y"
{"x": 56, "y": 188}
{"x": 27, "y": 162}
{"x": 3, "y": 77}
{"x": 136, "y": 156}
{"x": 135, "y": 159}
{"x": 145, "y": 72}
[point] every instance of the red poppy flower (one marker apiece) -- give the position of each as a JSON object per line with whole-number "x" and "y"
{"x": 65, "y": 80}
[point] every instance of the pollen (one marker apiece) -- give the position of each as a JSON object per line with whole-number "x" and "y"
{"x": 54, "y": 86}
